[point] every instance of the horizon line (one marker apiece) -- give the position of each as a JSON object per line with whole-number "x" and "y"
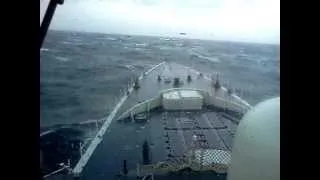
{"x": 181, "y": 37}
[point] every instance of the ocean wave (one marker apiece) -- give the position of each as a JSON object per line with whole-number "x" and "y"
{"x": 110, "y": 38}
{"x": 64, "y": 59}
{"x": 179, "y": 44}
{"x": 130, "y": 67}
{"x": 79, "y": 44}
{"x": 77, "y": 40}
{"x": 213, "y": 59}
{"x": 66, "y": 42}
{"x": 141, "y": 44}
{"x": 164, "y": 47}
{"x": 44, "y": 49}
{"x": 119, "y": 59}
{"x": 80, "y": 125}
{"x": 165, "y": 39}
{"x": 202, "y": 57}
{"x": 127, "y": 67}
{"x": 139, "y": 49}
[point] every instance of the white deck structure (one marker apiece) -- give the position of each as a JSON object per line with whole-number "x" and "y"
{"x": 182, "y": 100}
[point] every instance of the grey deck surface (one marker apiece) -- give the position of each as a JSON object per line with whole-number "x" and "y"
{"x": 150, "y": 87}
{"x": 123, "y": 141}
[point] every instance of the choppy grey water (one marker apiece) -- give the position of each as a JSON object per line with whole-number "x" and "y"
{"x": 82, "y": 73}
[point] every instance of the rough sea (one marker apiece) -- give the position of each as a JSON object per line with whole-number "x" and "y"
{"x": 82, "y": 73}
{"x": 81, "y": 76}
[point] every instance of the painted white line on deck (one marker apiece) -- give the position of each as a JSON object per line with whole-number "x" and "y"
{"x": 98, "y": 138}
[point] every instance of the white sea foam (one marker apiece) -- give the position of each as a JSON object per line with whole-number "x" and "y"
{"x": 130, "y": 67}
{"x": 44, "y": 49}
{"x": 199, "y": 55}
{"x": 110, "y": 38}
{"x": 141, "y": 44}
{"x": 62, "y": 58}
{"x": 66, "y": 42}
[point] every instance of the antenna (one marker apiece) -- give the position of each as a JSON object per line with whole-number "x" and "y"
{"x": 176, "y": 82}
{"x": 189, "y": 78}
{"x": 217, "y": 84}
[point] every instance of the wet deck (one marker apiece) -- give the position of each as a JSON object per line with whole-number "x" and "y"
{"x": 178, "y": 129}
{"x": 150, "y": 87}
{"x": 164, "y": 129}
{"x": 167, "y": 132}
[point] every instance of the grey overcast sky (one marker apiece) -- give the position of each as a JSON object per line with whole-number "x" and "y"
{"x": 232, "y": 20}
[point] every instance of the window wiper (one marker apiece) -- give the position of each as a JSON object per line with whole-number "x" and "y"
{"x": 47, "y": 19}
